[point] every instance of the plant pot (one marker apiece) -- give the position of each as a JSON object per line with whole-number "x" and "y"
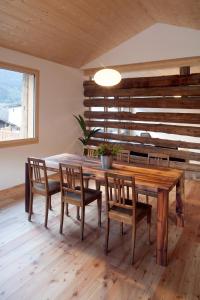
{"x": 106, "y": 161}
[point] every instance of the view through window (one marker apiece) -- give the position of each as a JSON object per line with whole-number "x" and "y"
{"x": 17, "y": 105}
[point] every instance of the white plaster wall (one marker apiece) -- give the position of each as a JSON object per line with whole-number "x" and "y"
{"x": 158, "y": 42}
{"x": 61, "y": 96}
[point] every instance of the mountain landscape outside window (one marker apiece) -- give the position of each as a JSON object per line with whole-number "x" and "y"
{"x": 17, "y": 106}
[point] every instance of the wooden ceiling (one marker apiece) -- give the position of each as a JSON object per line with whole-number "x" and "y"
{"x": 75, "y": 32}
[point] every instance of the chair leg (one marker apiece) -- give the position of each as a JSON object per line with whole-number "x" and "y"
{"x": 86, "y": 183}
{"x": 149, "y": 226}
{"x": 99, "y": 205}
{"x": 30, "y": 206}
{"x": 121, "y": 228}
{"x": 77, "y": 213}
{"x": 50, "y": 207}
{"x": 107, "y": 235}
{"x": 62, "y": 217}
{"x": 133, "y": 243}
{"x": 46, "y": 211}
{"x": 82, "y": 221}
{"x": 147, "y": 199}
{"x": 98, "y": 186}
{"x": 67, "y": 209}
{"x": 136, "y": 197}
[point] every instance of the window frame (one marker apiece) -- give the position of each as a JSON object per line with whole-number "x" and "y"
{"x": 36, "y": 73}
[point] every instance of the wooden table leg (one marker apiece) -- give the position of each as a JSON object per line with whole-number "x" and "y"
{"x": 180, "y": 195}
{"x": 27, "y": 188}
{"x": 162, "y": 227}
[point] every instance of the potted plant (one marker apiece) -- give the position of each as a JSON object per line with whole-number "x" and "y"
{"x": 87, "y": 133}
{"x": 106, "y": 153}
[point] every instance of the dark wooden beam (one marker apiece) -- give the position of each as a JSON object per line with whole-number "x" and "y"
{"x": 167, "y": 102}
{"x": 188, "y": 118}
{"x": 185, "y": 71}
{"x": 152, "y": 91}
{"x": 188, "y": 155}
{"x": 147, "y": 140}
{"x": 171, "y": 129}
{"x": 156, "y": 81}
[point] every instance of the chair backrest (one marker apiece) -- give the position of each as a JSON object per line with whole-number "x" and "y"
{"x": 158, "y": 158}
{"x": 71, "y": 179}
{"x": 119, "y": 189}
{"x": 123, "y": 155}
{"x": 37, "y": 172}
{"x": 92, "y": 151}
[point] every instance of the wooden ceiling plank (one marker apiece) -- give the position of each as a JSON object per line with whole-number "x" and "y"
{"x": 80, "y": 25}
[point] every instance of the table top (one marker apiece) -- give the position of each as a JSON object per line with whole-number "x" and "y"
{"x": 146, "y": 176}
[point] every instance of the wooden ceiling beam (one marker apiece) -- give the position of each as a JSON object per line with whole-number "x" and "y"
{"x": 151, "y": 65}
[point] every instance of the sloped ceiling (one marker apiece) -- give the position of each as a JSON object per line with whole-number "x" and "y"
{"x": 156, "y": 43}
{"x": 76, "y": 32}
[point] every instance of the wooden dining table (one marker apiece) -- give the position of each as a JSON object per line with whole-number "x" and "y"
{"x": 156, "y": 179}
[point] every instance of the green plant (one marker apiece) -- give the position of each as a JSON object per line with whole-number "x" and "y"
{"x": 87, "y": 134}
{"x": 108, "y": 149}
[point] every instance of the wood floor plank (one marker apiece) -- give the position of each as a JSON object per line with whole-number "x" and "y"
{"x": 40, "y": 264}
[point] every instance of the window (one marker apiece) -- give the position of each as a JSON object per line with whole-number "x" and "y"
{"x": 18, "y": 105}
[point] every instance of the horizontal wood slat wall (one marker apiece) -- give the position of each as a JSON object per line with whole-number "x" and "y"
{"x": 155, "y": 117}
{"x": 169, "y": 93}
{"x": 171, "y": 129}
{"x": 144, "y": 82}
{"x": 147, "y": 140}
{"x": 148, "y": 149}
{"x": 184, "y": 102}
{"x": 149, "y": 91}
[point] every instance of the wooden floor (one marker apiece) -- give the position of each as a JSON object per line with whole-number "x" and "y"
{"x": 36, "y": 263}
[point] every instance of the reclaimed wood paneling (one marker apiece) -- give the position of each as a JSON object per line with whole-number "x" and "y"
{"x": 153, "y": 117}
{"x": 168, "y": 102}
{"x": 147, "y": 140}
{"x": 156, "y": 81}
{"x": 175, "y": 95}
{"x": 171, "y": 129}
{"x": 152, "y": 91}
{"x": 187, "y": 155}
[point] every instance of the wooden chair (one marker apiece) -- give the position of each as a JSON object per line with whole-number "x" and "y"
{"x": 40, "y": 184}
{"x": 157, "y": 159}
{"x": 122, "y": 208}
{"x": 91, "y": 153}
{"x": 123, "y": 156}
{"x": 73, "y": 192}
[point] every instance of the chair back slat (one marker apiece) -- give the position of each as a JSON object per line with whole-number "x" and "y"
{"x": 124, "y": 156}
{"x": 119, "y": 189}
{"x": 158, "y": 158}
{"x": 71, "y": 178}
{"x": 37, "y": 171}
{"x": 92, "y": 151}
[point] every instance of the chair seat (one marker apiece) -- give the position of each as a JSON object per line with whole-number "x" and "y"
{"x": 90, "y": 195}
{"x": 53, "y": 185}
{"x": 125, "y": 214}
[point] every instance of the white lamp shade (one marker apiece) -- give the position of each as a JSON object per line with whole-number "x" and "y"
{"x": 107, "y": 77}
